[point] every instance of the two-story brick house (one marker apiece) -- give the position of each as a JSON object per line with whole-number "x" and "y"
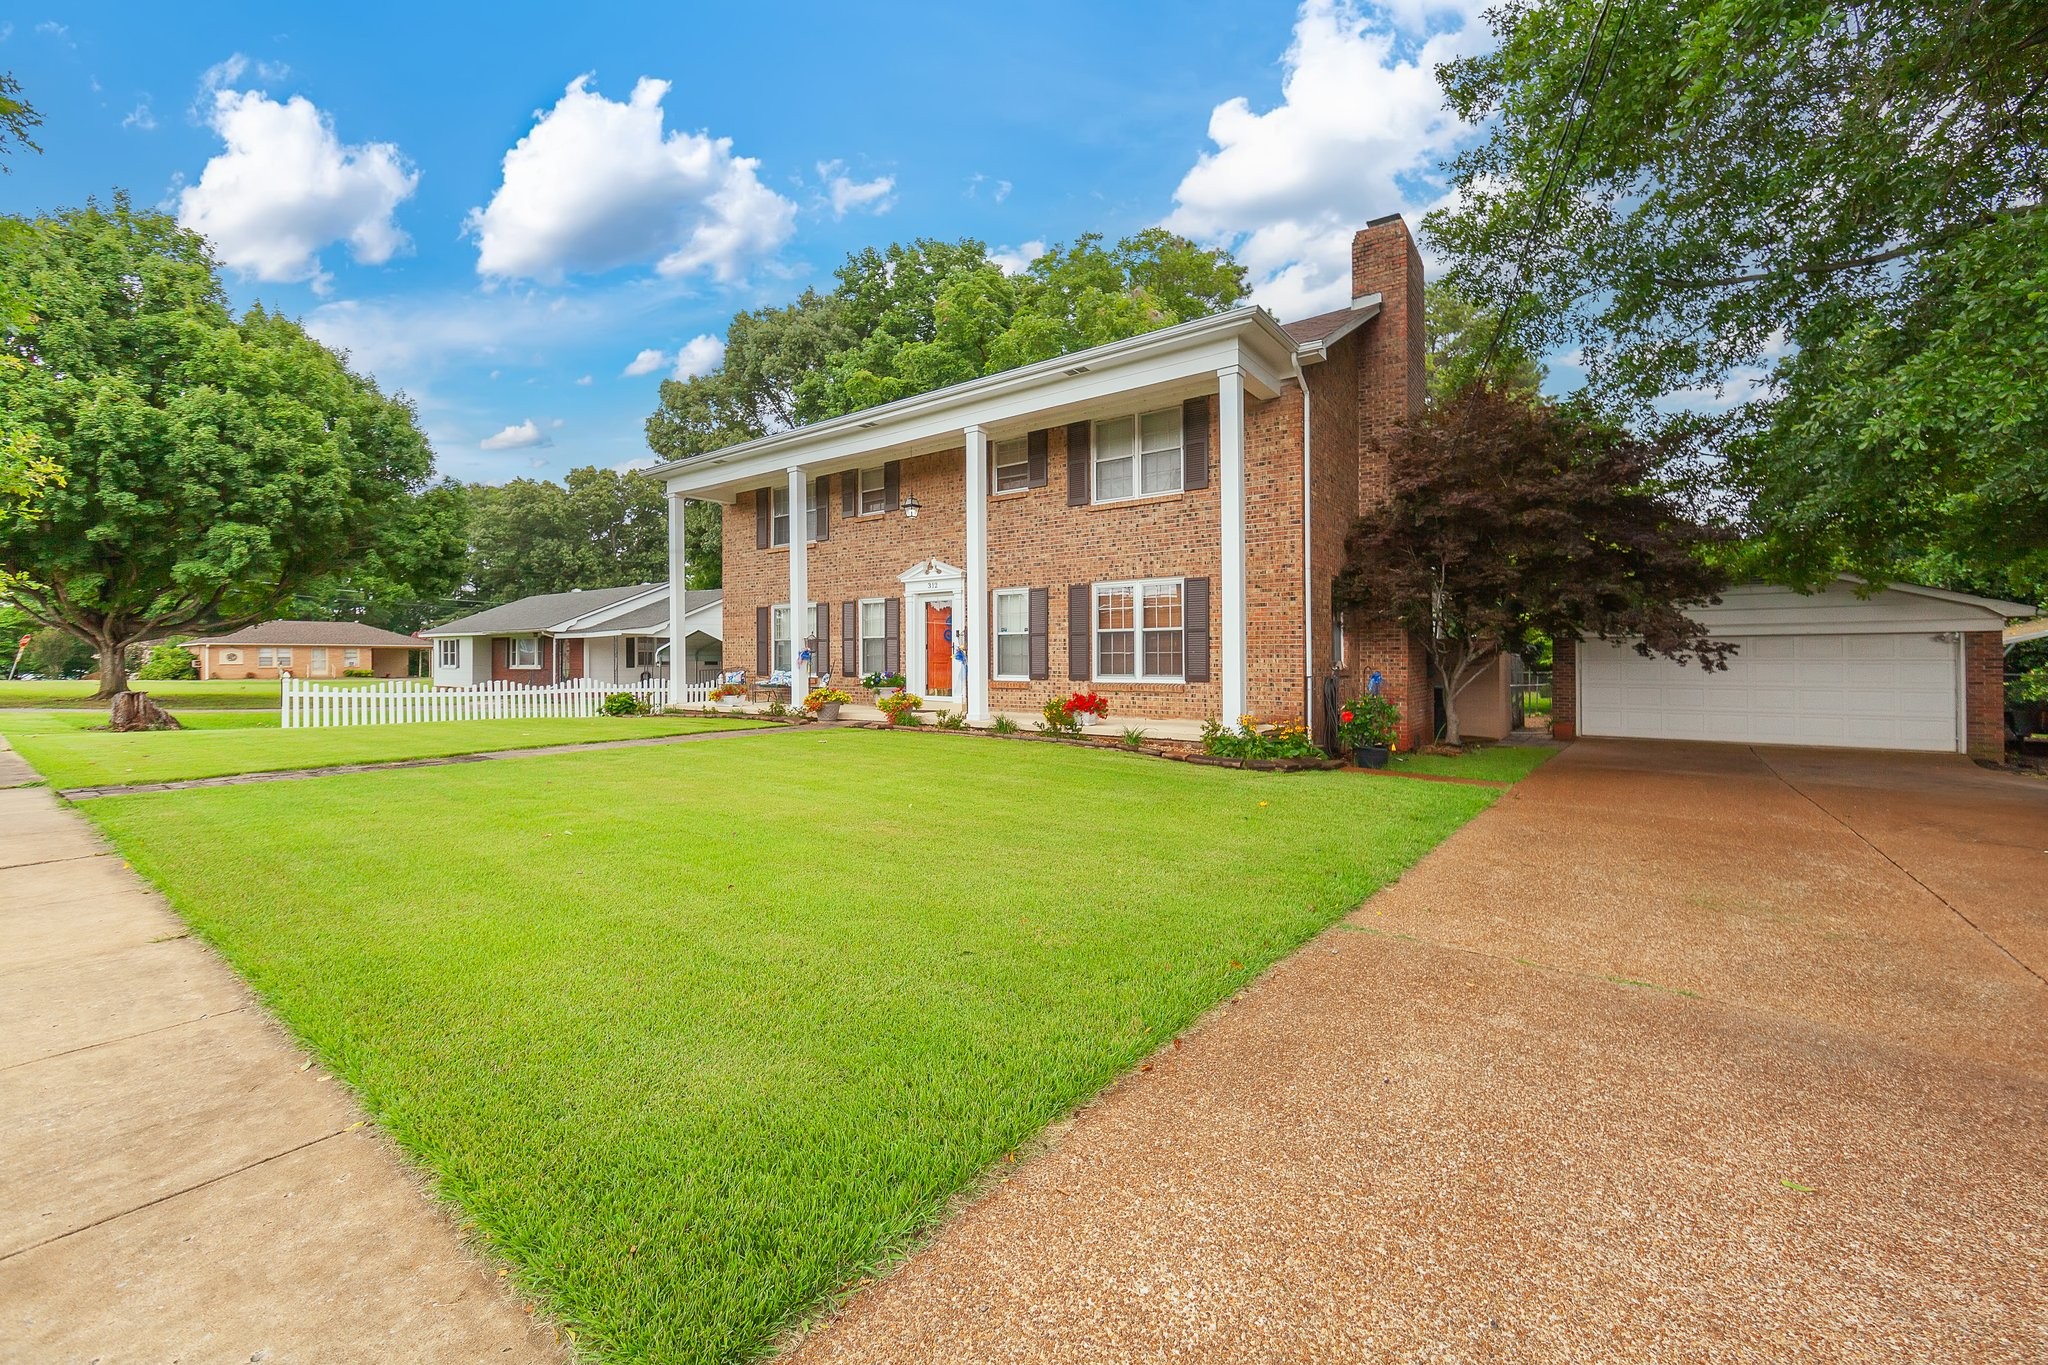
{"x": 1158, "y": 519}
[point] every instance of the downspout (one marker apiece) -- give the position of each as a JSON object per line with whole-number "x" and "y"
{"x": 1308, "y": 607}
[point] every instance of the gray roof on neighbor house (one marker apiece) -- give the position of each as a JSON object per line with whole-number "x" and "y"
{"x": 542, "y": 612}
{"x": 640, "y": 619}
{"x": 315, "y": 633}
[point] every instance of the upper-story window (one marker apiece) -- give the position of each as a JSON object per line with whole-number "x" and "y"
{"x": 1138, "y": 457}
{"x": 778, "y": 515}
{"x": 1012, "y": 460}
{"x": 874, "y": 490}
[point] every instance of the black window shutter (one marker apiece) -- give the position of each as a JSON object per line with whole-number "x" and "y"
{"x": 1078, "y": 444}
{"x": 823, "y": 494}
{"x": 762, "y": 498}
{"x": 849, "y": 493}
{"x": 1194, "y": 606}
{"x": 1080, "y": 632}
{"x": 763, "y": 626}
{"x": 892, "y": 485}
{"x": 1038, "y": 457}
{"x": 1040, "y": 608}
{"x": 892, "y": 635}
{"x": 849, "y": 637}
{"x": 1194, "y": 443}
{"x": 821, "y": 626}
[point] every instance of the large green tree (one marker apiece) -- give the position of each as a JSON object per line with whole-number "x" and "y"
{"x": 411, "y": 573}
{"x": 23, "y": 472}
{"x": 1463, "y": 347}
{"x": 598, "y": 528}
{"x": 213, "y": 466}
{"x": 1837, "y": 199}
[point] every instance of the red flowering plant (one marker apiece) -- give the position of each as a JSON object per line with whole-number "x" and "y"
{"x": 1370, "y": 722}
{"x": 1090, "y": 702}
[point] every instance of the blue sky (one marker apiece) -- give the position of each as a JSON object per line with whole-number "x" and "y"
{"x": 526, "y": 220}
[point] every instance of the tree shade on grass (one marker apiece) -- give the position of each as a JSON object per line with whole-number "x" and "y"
{"x": 237, "y": 694}
{"x": 697, "y": 1036}
{"x": 74, "y": 756}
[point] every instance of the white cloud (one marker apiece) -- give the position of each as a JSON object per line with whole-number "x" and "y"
{"x": 140, "y": 118}
{"x": 586, "y": 381}
{"x": 598, "y": 184}
{"x": 1016, "y": 260}
{"x": 1003, "y": 188}
{"x": 524, "y": 436}
{"x": 647, "y": 362}
{"x": 287, "y": 186}
{"x": 699, "y": 355}
{"x": 1358, "y": 133}
{"x": 843, "y": 192}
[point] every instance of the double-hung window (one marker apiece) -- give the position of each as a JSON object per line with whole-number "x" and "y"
{"x": 814, "y": 494}
{"x": 1138, "y": 457}
{"x": 778, "y": 515}
{"x": 1140, "y": 631}
{"x": 1012, "y": 459}
{"x": 351, "y": 658}
{"x": 284, "y": 658}
{"x": 1013, "y": 633}
{"x": 640, "y": 651}
{"x": 874, "y": 635}
{"x": 779, "y": 654}
{"x": 522, "y": 651}
{"x": 449, "y": 653}
{"x": 874, "y": 491}
{"x": 266, "y": 658}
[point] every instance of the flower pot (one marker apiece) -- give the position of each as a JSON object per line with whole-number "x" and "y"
{"x": 728, "y": 703}
{"x": 829, "y": 711}
{"x": 1370, "y": 755}
{"x": 1084, "y": 719}
{"x": 882, "y": 693}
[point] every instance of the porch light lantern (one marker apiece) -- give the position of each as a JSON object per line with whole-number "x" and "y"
{"x": 910, "y": 506}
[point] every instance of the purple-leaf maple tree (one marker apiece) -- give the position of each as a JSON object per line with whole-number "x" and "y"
{"x": 1518, "y": 518}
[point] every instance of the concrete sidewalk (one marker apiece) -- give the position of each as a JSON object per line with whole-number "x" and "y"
{"x": 1679, "y": 1052}
{"x": 177, "y": 1183}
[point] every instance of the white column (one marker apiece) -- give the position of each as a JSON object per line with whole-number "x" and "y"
{"x": 678, "y": 563}
{"x": 1230, "y": 412}
{"x": 799, "y": 584}
{"x": 977, "y": 577}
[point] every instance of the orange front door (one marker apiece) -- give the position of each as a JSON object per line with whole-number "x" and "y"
{"x": 938, "y": 650}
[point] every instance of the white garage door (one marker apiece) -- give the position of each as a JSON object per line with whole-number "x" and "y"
{"x": 1841, "y": 691}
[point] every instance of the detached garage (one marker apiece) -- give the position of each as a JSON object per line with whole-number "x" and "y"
{"x": 1906, "y": 668}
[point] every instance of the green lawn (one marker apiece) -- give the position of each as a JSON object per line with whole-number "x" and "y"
{"x": 68, "y": 754}
{"x": 1492, "y": 762}
{"x": 252, "y": 692}
{"x": 696, "y": 1036}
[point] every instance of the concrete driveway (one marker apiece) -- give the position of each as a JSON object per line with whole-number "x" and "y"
{"x": 1680, "y": 1052}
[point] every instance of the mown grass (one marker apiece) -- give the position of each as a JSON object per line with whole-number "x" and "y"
{"x": 236, "y": 692}
{"x": 696, "y": 1036}
{"x": 1491, "y": 763}
{"x": 61, "y": 746}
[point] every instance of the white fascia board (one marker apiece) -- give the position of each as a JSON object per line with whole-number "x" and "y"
{"x": 1187, "y": 356}
{"x": 599, "y": 615}
{"x": 2006, "y": 611}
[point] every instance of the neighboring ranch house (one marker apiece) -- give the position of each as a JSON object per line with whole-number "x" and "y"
{"x": 306, "y": 649}
{"x": 617, "y": 635}
{"x": 1158, "y": 519}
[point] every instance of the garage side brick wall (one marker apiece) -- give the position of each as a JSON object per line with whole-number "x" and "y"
{"x": 1984, "y": 694}
{"x": 1564, "y": 689}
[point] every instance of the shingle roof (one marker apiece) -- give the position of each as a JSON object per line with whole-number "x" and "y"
{"x": 654, "y": 614}
{"x": 1317, "y": 327}
{"x": 315, "y": 633}
{"x": 542, "y": 612}
{"x": 696, "y": 599}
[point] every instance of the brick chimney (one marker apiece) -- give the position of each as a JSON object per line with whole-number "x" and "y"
{"x": 1391, "y": 379}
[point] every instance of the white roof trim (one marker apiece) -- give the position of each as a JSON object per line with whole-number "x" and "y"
{"x": 601, "y": 614}
{"x": 1996, "y": 606}
{"x": 1364, "y": 309}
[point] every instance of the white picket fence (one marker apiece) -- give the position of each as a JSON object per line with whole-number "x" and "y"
{"x": 404, "y": 701}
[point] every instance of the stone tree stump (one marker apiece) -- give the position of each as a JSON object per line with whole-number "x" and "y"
{"x": 135, "y": 711}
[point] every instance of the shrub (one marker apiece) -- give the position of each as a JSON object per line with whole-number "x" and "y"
{"x": 901, "y": 709}
{"x": 778, "y": 707}
{"x": 1134, "y": 738}
{"x": 1058, "y": 719}
{"x": 357, "y": 673}
{"x": 168, "y": 662}
{"x": 2030, "y": 686}
{"x": 1003, "y": 725}
{"x": 1369, "y": 721}
{"x": 952, "y": 720}
{"x": 1247, "y": 740}
{"x": 625, "y": 704}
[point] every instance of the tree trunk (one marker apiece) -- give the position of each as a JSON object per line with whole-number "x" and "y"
{"x": 135, "y": 711}
{"x": 113, "y": 669}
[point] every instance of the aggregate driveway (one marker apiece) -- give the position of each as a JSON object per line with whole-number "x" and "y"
{"x": 1680, "y": 1052}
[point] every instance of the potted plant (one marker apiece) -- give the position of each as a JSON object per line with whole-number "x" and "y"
{"x": 882, "y": 684}
{"x": 824, "y": 702}
{"x": 1366, "y": 729}
{"x": 1086, "y": 708}
{"x": 901, "y": 707}
{"x": 726, "y": 696}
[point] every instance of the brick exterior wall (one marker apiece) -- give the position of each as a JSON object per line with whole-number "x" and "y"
{"x": 388, "y": 662}
{"x": 1370, "y": 383}
{"x": 1564, "y": 689}
{"x": 1984, "y": 694}
{"x": 502, "y": 670}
